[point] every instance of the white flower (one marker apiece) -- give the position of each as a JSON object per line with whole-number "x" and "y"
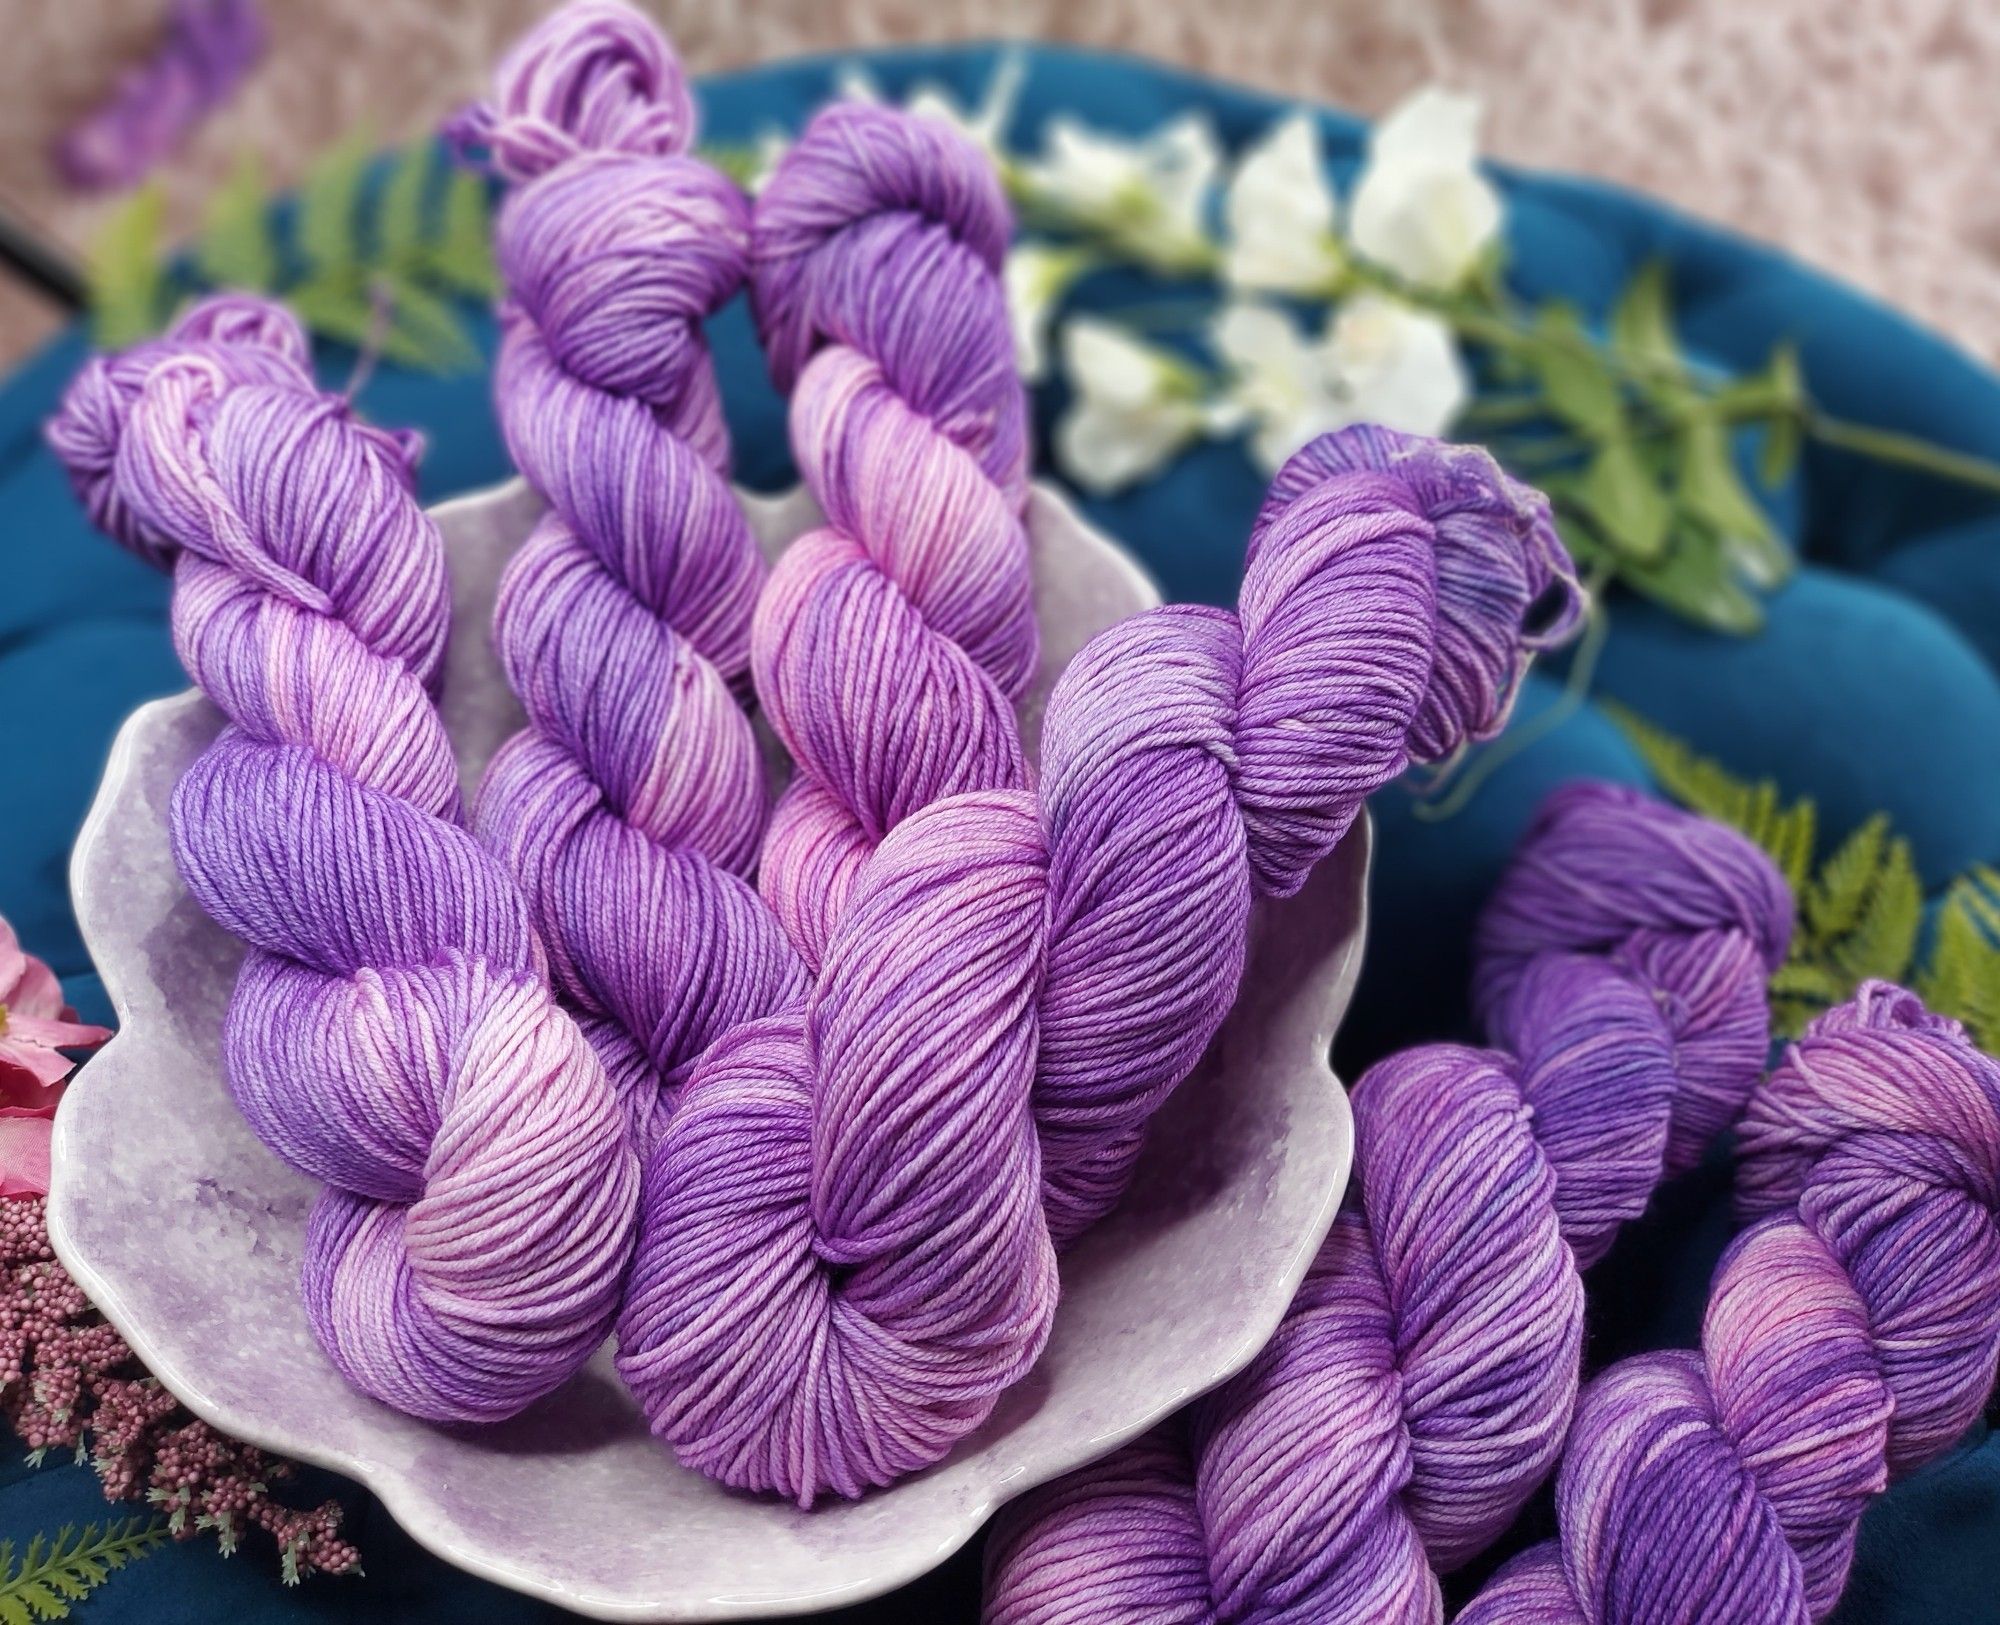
{"x": 1135, "y": 406}
{"x": 1037, "y": 276}
{"x": 1280, "y": 212}
{"x": 1398, "y": 365}
{"x": 986, "y": 124}
{"x": 1421, "y": 207}
{"x": 1146, "y": 195}
{"x": 1378, "y": 362}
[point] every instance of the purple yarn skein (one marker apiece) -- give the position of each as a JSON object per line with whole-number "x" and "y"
{"x": 631, "y": 806}
{"x": 1419, "y": 1388}
{"x": 848, "y": 1231}
{"x": 1851, "y": 1337}
{"x": 392, "y": 1032}
{"x": 892, "y": 644}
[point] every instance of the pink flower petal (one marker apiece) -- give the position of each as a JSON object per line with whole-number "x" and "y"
{"x": 12, "y": 961}
{"x": 36, "y": 992}
{"x": 37, "y": 1063}
{"x": 52, "y": 1032}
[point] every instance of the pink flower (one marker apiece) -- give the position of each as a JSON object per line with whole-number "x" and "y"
{"x": 35, "y": 1028}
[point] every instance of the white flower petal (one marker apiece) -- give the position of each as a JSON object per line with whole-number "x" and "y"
{"x": 1380, "y": 361}
{"x": 1036, "y": 277}
{"x": 1135, "y": 406}
{"x": 1148, "y": 194}
{"x": 1281, "y": 382}
{"x": 1397, "y": 366}
{"x": 1280, "y": 212}
{"x": 854, "y": 83}
{"x": 1432, "y": 126}
{"x": 1272, "y": 368}
{"x": 1421, "y": 208}
{"x": 1104, "y": 450}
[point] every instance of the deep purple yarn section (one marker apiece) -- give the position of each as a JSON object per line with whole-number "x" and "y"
{"x": 849, "y": 1229}
{"x": 632, "y": 804}
{"x": 392, "y": 1033}
{"x": 1851, "y": 1337}
{"x": 1420, "y": 1386}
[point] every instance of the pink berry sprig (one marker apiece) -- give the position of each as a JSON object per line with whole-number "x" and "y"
{"x": 68, "y": 1381}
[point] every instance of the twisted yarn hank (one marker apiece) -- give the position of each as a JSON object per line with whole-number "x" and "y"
{"x": 848, "y": 1230}
{"x": 1851, "y": 1337}
{"x": 893, "y": 643}
{"x": 1419, "y": 1387}
{"x": 631, "y": 805}
{"x": 391, "y": 1033}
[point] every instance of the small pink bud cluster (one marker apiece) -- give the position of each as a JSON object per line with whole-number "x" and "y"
{"x": 68, "y": 1381}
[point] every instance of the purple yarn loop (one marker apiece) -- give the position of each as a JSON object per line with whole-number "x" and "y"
{"x": 392, "y": 1033}
{"x": 1421, "y": 1384}
{"x": 849, "y": 1229}
{"x": 631, "y": 807}
{"x": 596, "y": 77}
{"x": 1851, "y": 1337}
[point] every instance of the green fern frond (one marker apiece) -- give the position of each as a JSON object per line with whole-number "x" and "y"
{"x": 54, "y": 1574}
{"x": 1785, "y": 830}
{"x": 401, "y": 208}
{"x": 365, "y": 263}
{"x": 329, "y": 237}
{"x": 124, "y": 273}
{"x": 1962, "y": 976}
{"x": 236, "y": 248}
{"x": 460, "y": 255}
{"x": 1863, "y": 911}
{"x": 423, "y": 329}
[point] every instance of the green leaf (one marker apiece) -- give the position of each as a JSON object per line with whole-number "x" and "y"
{"x": 126, "y": 283}
{"x": 1711, "y": 491}
{"x": 1576, "y": 378}
{"x": 337, "y": 305}
{"x": 1641, "y": 331}
{"x": 1785, "y": 830}
{"x": 236, "y": 248}
{"x": 1619, "y": 496}
{"x": 329, "y": 205}
{"x": 1784, "y": 438}
{"x": 1695, "y": 581}
{"x": 1642, "y": 320}
{"x": 1784, "y": 432}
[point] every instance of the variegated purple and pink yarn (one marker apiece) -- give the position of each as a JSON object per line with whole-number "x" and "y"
{"x": 1850, "y": 1338}
{"x": 849, "y": 1228}
{"x": 632, "y": 805}
{"x": 392, "y": 1032}
{"x": 1420, "y": 1386}
{"x": 852, "y": 1203}
{"x": 1421, "y": 1383}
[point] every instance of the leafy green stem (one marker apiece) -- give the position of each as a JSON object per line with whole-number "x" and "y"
{"x": 1904, "y": 450}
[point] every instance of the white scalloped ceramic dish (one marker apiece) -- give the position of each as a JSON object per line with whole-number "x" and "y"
{"x": 187, "y": 1232}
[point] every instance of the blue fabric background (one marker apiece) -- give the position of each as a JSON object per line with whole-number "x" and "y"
{"x": 1874, "y": 687}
